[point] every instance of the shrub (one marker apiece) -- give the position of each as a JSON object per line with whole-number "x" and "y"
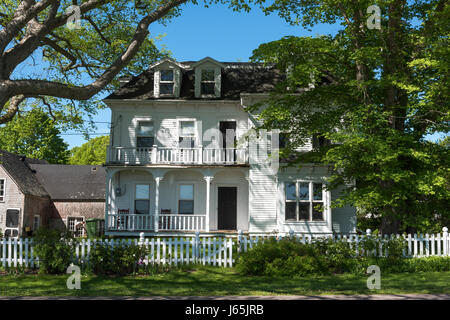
{"x": 118, "y": 259}
{"x": 54, "y": 249}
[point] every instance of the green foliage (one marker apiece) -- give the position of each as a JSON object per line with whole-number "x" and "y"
{"x": 35, "y": 135}
{"x": 291, "y": 258}
{"x": 92, "y": 152}
{"x": 376, "y": 94}
{"x": 55, "y": 250}
{"x": 117, "y": 259}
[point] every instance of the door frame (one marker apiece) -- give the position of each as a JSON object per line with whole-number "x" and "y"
{"x": 238, "y": 198}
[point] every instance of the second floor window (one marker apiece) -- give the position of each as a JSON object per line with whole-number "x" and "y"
{"x": 166, "y": 83}
{"x": 208, "y": 82}
{"x": 145, "y": 134}
{"x": 187, "y": 138}
{"x": 2, "y": 189}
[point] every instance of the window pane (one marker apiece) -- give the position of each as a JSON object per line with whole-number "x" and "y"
{"x": 187, "y": 192}
{"x": 186, "y": 207}
{"x": 142, "y": 206}
{"x": 145, "y": 128}
{"x": 282, "y": 140}
{"x": 142, "y": 142}
{"x": 166, "y": 88}
{"x": 317, "y": 211}
{"x": 303, "y": 211}
{"x": 290, "y": 191}
{"x": 187, "y": 128}
{"x": 208, "y": 75}
{"x": 304, "y": 191}
{"x": 12, "y": 218}
{"x": 186, "y": 142}
{"x": 207, "y": 88}
{"x": 142, "y": 191}
{"x": 317, "y": 190}
{"x": 290, "y": 211}
{"x": 2, "y": 189}
{"x": 166, "y": 75}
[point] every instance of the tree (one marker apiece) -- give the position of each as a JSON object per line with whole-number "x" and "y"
{"x": 92, "y": 152}
{"x": 375, "y": 93}
{"x": 35, "y": 135}
{"x": 110, "y": 39}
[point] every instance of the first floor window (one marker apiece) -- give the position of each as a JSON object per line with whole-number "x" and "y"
{"x": 186, "y": 199}
{"x": 75, "y": 225}
{"x": 2, "y": 189}
{"x": 142, "y": 199}
{"x": 36, "y": 222}
{"x": 304, "y": 201}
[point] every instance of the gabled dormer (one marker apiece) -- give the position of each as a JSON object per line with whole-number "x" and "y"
{"x": 208, "y": 78}
{"x": 167, "y": 78}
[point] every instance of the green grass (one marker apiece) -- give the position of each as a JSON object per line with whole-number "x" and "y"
{"x": 219, "y": 281}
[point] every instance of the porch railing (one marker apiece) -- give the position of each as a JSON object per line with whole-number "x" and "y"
{"x": 163, "y": 155}
{"x": 146, "y": 222}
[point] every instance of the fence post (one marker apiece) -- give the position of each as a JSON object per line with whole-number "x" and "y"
{"x": 197, "y": 246}
{"x": 291, "y": 234}
{"x": 239, "y": 243}
{"x": 445, "y": 233}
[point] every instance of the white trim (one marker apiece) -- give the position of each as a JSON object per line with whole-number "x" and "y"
{"x": 193, "y": 195}
{"x": 4, "y": 190}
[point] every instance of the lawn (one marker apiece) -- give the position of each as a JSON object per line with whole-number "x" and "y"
{"x": 220, "y": 281}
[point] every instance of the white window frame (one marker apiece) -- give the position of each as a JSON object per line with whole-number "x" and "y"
{"x": 311, "y": 201}
{"x": 179, "y": 197}
{"x": 3, "y": 190}
{"x": 213, "y": 69}
{"x": 196, "y": 138}
{"x": 38, "y": 222}
{"x": 18, "y": 222}
{"x": 167, "y": 82}
{"x": 148, "y": 199}
{"x": 138, "y": 121}
{"x": 76, "y": 218}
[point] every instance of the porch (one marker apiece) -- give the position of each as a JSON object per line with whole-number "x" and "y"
{"x": 184, "y": 200}
{"x": 163, "y": 155}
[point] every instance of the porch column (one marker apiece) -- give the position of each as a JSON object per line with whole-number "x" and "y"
{"x": 157, "y": 180}
{"x": 107, "y": 196}
{"x": 208, "y": 187}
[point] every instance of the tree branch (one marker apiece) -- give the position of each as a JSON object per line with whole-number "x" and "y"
{"x": 98, "y": 30}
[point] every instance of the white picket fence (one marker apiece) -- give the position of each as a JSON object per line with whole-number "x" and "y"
{"x": 220, "y": 251}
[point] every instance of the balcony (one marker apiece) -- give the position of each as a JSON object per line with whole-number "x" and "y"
{"x": 146, "y": 222}
{"x": 174, "y": 156}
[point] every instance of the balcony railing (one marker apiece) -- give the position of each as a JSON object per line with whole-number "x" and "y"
{"x": 163, "y": 155}
{"x": 146, "y": 222}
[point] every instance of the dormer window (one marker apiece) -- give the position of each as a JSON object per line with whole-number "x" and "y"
{"x": 207, "y": 82}
{"x": 167, "y": 78}
{"x": 208, "y": 77}
{"x": 166, "y": 82}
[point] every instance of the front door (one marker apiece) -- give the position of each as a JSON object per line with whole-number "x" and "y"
{"x": 227, "y": 208}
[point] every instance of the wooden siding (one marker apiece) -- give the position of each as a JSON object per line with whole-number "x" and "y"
{"x": 14, "y": 198}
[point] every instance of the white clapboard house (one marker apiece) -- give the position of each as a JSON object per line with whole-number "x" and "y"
{"x": 178, "y": 161}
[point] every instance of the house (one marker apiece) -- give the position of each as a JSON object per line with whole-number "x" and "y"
{"x": 183, "y": 158}
{"x": 77, "y": 193}
{"x": 34, "y": 193}
{"x": 24, "y": 203}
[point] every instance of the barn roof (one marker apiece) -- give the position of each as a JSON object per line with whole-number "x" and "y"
{"x": 18, "y": 167}
{"x": 237, "y": 78}
{"x": 72, "y": 182}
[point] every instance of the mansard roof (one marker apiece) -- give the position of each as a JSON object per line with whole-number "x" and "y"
{"x": 237, "y": 78}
